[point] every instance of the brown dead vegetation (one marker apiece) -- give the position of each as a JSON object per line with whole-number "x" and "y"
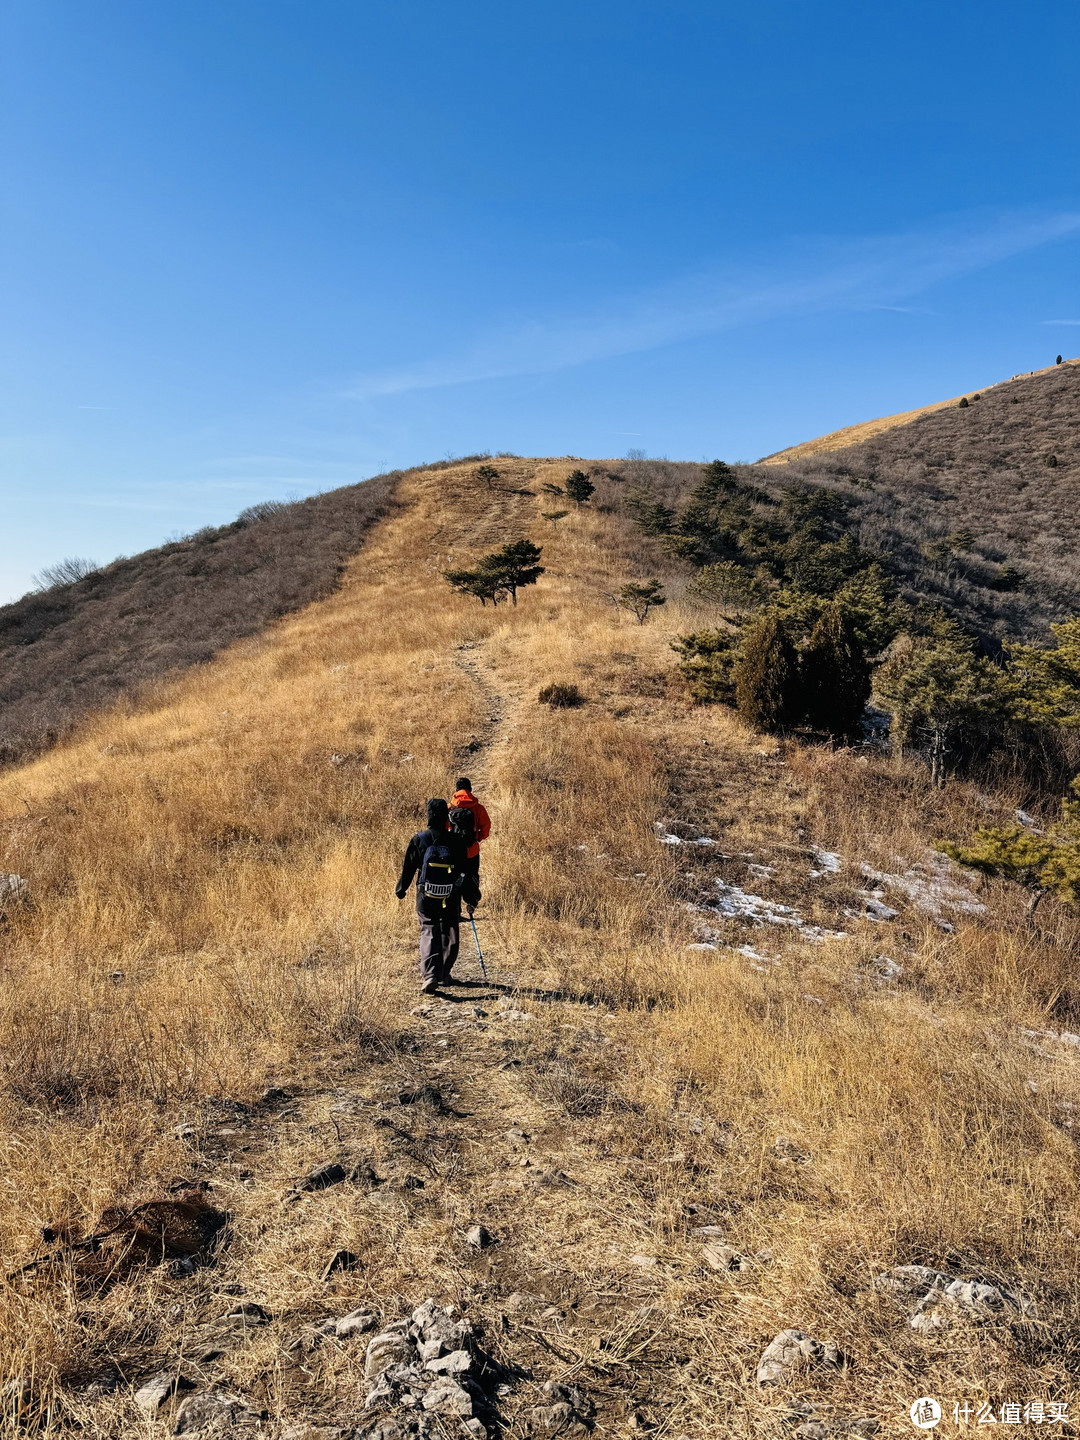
{"x": 212, "y": 913}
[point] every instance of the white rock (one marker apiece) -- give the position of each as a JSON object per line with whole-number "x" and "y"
{"x": 446, "y": 1397}
{"x": 458, "y": 1362}
{"x": 357, "y": 1322}
{"x": 791, "y": 1350}
{"x": 156, "y": 1392}
{"x": 389, "y": 1348}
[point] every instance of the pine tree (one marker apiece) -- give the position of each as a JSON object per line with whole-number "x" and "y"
{"x": 639, "y": 597}
{"x": 706, "y": 665}
{"x": 1045, "y": 682}
{"x": 835, "y": 674}
{"x": 578, "y": 487}
{"x": 767, "y": 676}
{"x": 502, "y": 572}
{"x": 516, "y": 565}
{"x": 1044, "y": 863}
{"x": 934, "y": 686}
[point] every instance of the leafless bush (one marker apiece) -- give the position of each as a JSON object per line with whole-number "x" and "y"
{"x": 64, "y": 572}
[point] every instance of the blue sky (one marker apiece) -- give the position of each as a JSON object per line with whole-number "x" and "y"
{"x": 258, "y": 248}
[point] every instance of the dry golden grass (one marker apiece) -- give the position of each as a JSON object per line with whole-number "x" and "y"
{"x": 213, "y": 912}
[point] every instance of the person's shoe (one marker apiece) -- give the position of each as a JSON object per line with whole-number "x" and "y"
{"x": 451, "y": 980}
{"x": 429, "y": 987}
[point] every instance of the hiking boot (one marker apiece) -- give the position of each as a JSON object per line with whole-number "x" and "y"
{"x": 429, "y": 987}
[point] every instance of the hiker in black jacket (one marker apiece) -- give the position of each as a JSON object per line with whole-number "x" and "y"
{"x": 438, "y": 857}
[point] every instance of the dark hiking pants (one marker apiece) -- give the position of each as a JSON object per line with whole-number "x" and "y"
{"x": 439, "y": 940}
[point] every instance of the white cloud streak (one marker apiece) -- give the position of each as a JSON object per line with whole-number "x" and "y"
{"x": 820, "y": 276}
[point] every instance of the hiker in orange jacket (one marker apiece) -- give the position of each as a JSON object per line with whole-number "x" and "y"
{"x": 464, "y": 799}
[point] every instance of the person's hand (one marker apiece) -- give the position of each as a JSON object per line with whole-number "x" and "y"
{"x": 471, "y": 909}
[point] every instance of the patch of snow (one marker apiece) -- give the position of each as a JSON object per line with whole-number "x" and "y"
{"x": 762, "y": 872}
{"x": 703, "y": 945}
{"x": 931, "y": 885}
{"x": 704, "y": 840}
{"x": 736, "y": 904}
{"x": 827, "y": 862}
{"x": 1023, "y": 818}
{"x": 667, "y": 838}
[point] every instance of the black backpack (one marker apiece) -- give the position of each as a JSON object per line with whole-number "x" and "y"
{"x": 441, "y": 871}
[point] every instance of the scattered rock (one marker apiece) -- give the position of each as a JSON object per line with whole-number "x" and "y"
{"x": 944, "y": 1300}
{"x": 786, "y": 1149}
{"x": 419, "y": 1375}
{"x": 944, "y": 1305}
{"x": 909, "y": 1280}
{"x": 154, "y": 1394}
{"x": 793, "y": 1350}
{"x": 389, "y": 1348}
{"x": 447, "y": 1397}
{"x": 817, "y": 1425}
{"x": 321, "y": 1177}
{"x": 565, "y": 1410}
{"x": 479, "y": 1238}
{"x": 723, "y": 1257}
{"x": 357, "y": 1322}
{"x": 215, "y": 1412}
{"x": 341, "y": 1260}
{"x": 302, "y": 1430}
{"x": 458, "y": 1362}
{"x": 13, "y": 888}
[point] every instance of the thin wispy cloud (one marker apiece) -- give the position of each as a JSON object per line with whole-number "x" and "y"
{"x": 1059, "y": 322}
{"x": 820, "y": 275}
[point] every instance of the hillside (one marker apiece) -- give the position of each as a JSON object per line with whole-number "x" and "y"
{"x": 867, "y": 429}
{"x": 79, "y": 647}
{"x": 1003, "y": 473}
{"x": 745, "y": 1050}
{"x": 979, "y": 476}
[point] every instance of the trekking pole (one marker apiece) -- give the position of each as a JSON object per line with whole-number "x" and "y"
{"x": 479, "y": 952}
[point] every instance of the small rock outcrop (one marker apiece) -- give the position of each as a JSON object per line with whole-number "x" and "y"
{"x": 217, "y": 1412}
{"x": 564, "y": 1410}
{"x": 943, "y": 1301}
{"x": 793, "y": 1350}
{"x": 156, "y": 1392}
{"x": 422, "y": 1372}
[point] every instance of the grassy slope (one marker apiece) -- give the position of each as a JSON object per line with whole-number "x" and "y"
{"x": 75, "y": 648}
{"x": 212, "y": 911}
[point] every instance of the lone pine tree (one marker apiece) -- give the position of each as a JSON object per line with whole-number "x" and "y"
{"x": 578, "y": 487}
